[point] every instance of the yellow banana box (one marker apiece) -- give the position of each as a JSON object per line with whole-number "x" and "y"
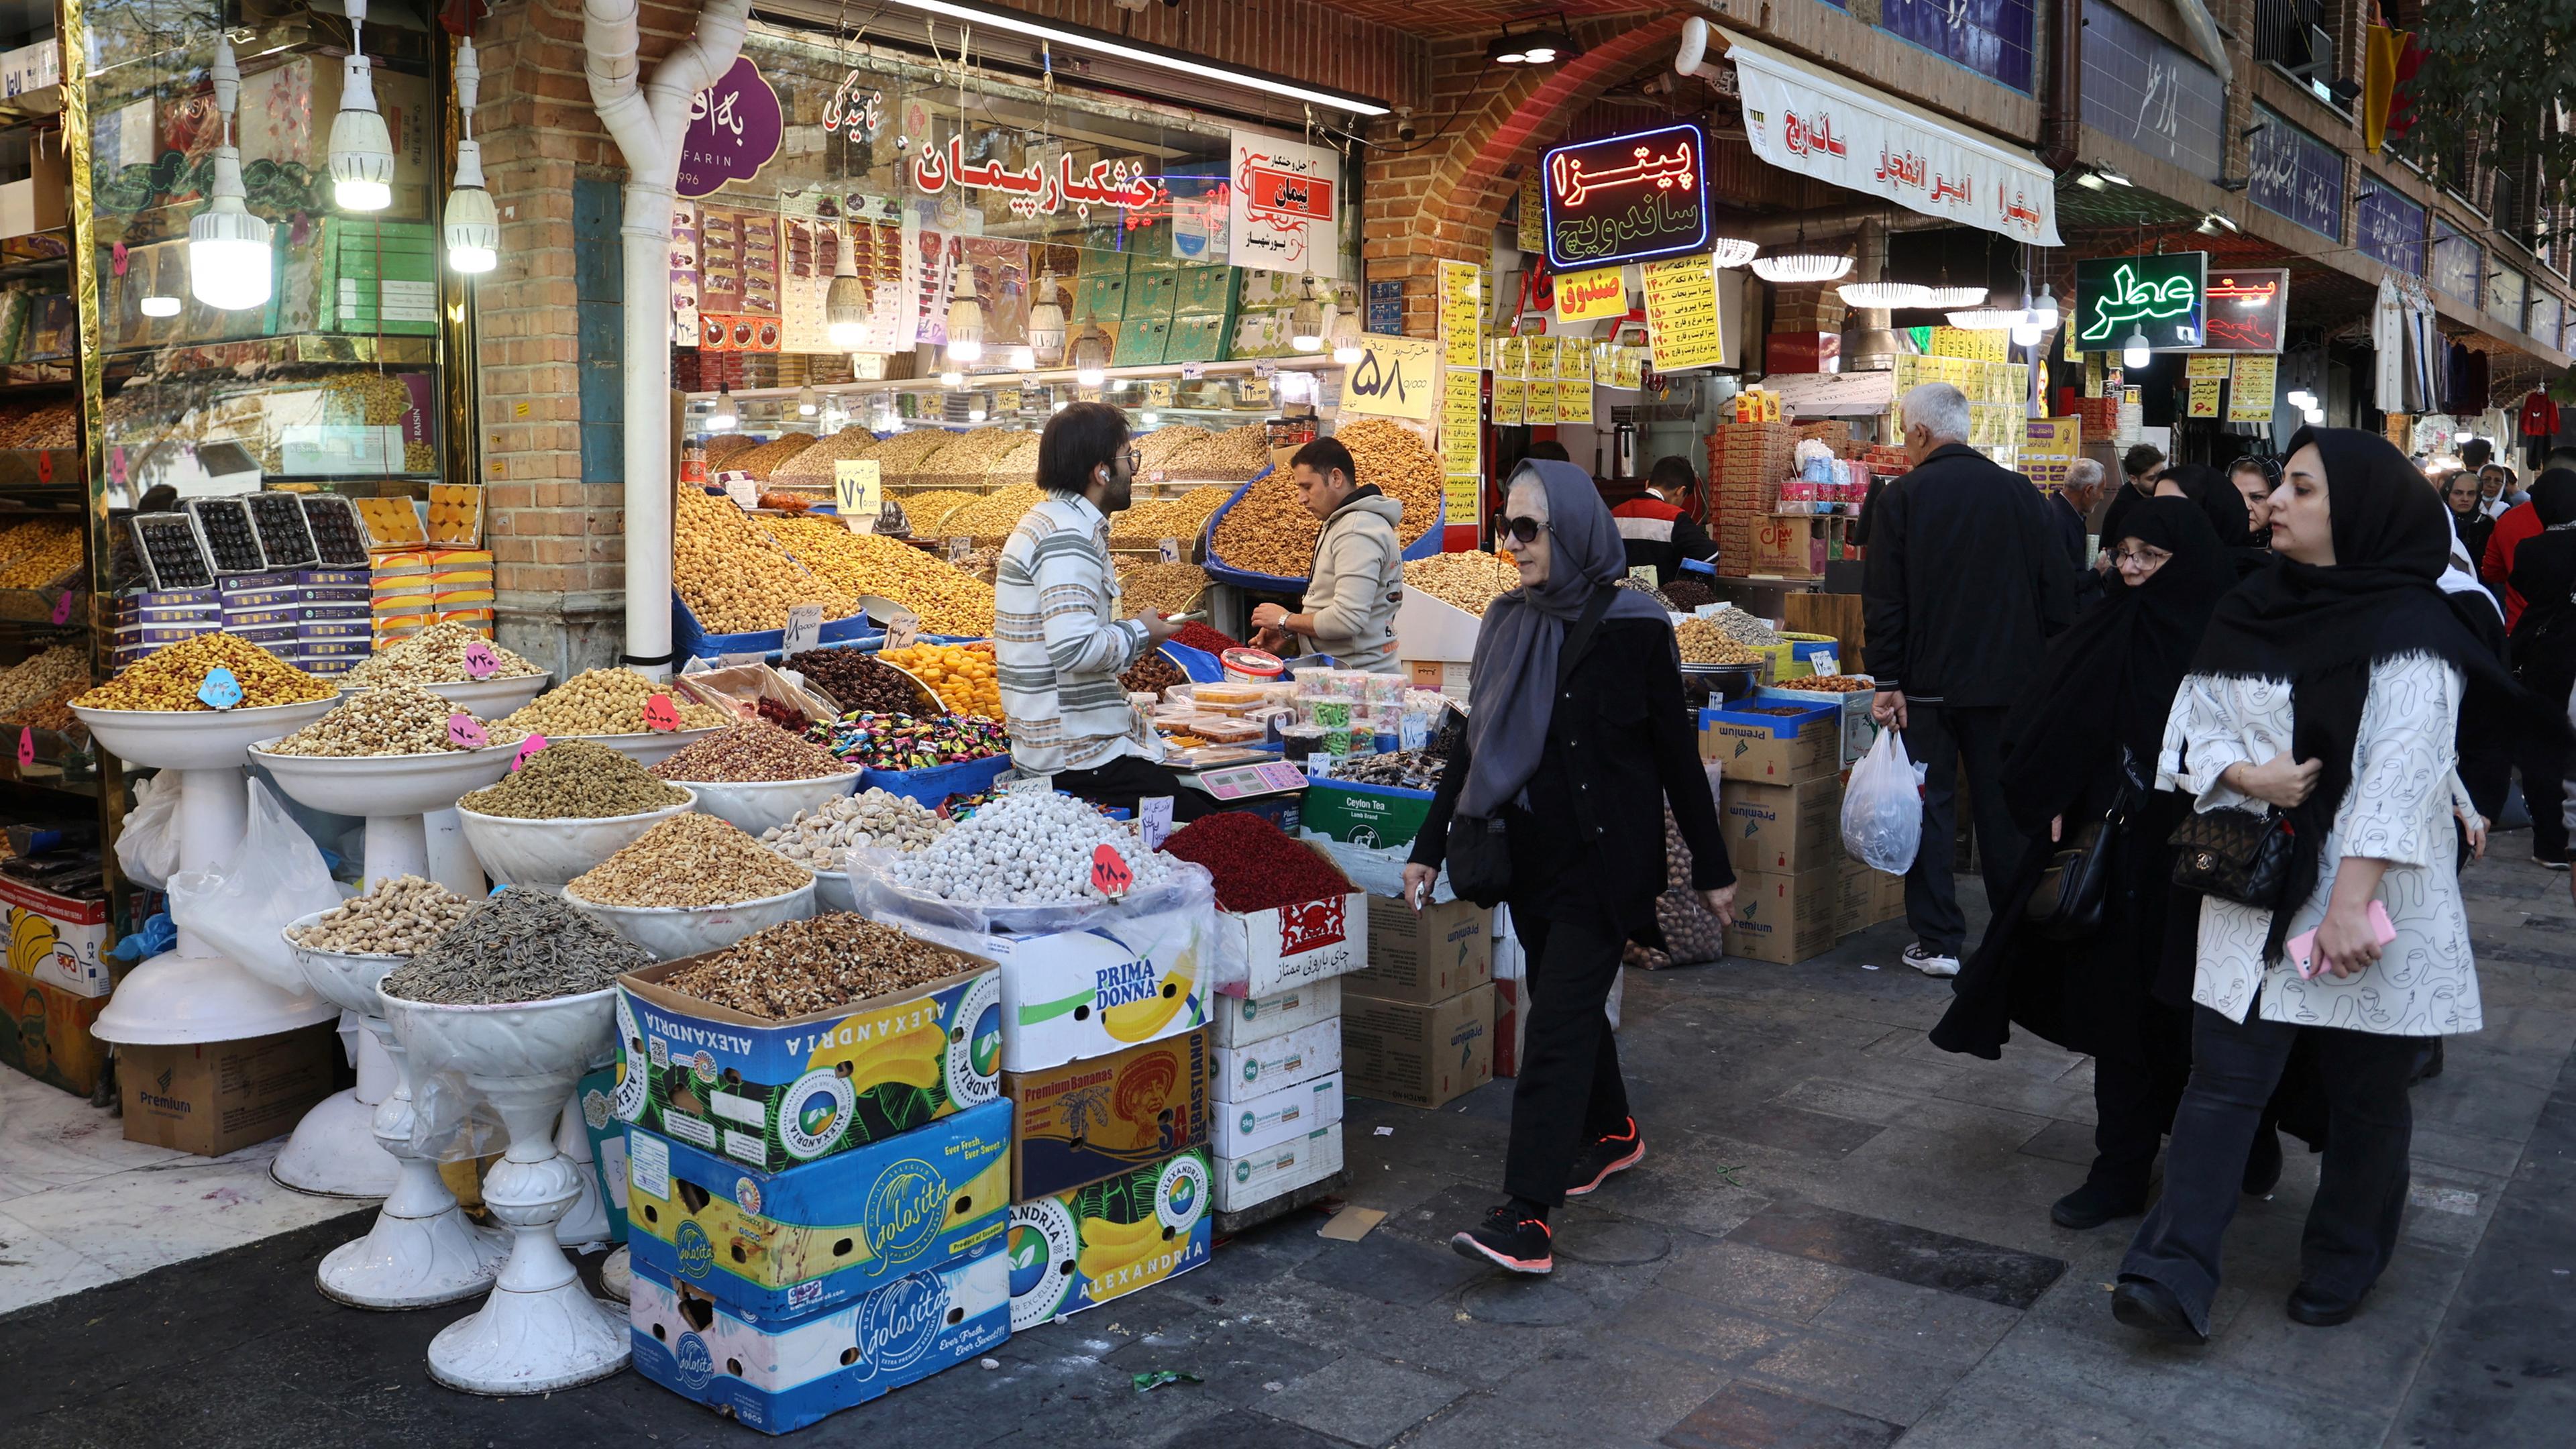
{"x": 1131, "y": 977}
{"x": 774, "y": 1094}
{"x": 1107, "y": 1116}
{"x": 1078, "y": 1249}
{"x": 772, "y": 1246}
{"x": 56, "y": 939}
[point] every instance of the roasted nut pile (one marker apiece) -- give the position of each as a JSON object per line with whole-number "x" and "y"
{"x": 1634, "y": 584}
{"x": 1270, "y": 532}
{"x": 1831, "y": 683}
{"x": 750, "y": 752}
{"x": 53, "y": 712}
{"x": 812, "y": 466}
{"x": 399, "y": 719}
{"x": 1468, "y": 581}
{"x": 689, "y": 861}
{"x": 42, "y": 676}
{"x": 948, "y": 601}
{"x": 394, "y": 918}
{"x": 435, "y": 655}
{"x": 49, "y": 557}
{"x": 1689, "y": 594}
{"x": 1401, "y": 464}
{"x": 909, "y": 452}
{"x": 1236, "y": 453}
{"x": 1185, "y": 518}
{"x": 734, "y": 577}
{"x": 928, "y": 510}
{"x": 1152, "y": 673}
{"x": 607, "y": 702}
{"x": 1156, "y": 448}
{"x": 1742, "y": 627}
{"x": 1404, "y": 769}
{"x": 765, "y": 460}
{"x": 1025, "y": 849}
{"x": 1702, "y": 642}
{"x": 859, "y": 682}
{"x": 519, "y": 945}
{"x": 820, "y": 840}
{"x": 1161, "y": 588}
{"x": 169, "y": 678}
{"x": 574, "y": 780}
{"x": 797, "y": 967}
{"x": 994, "y": 514}
{"x": 729, "y": 445}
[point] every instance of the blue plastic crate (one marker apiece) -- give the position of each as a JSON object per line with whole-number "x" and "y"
{"x": 690, "y": 640}
{"x": 929, "y": 787}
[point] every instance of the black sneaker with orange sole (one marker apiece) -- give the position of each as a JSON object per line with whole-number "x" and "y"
{"x": 1510, "y": 1239}
{"x": 1603, "y": 1156}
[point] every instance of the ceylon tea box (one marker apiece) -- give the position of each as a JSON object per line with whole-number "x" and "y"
{"x": 1106, "y": 1116}
{"x": 1079, "y": 1249}
{"x": 774, "y": 1093}
{"x": 777, "y": 1245}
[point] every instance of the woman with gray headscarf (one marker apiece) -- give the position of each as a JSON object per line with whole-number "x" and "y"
{"x": 1576, "y": 757}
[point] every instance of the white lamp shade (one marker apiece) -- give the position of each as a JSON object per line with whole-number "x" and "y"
{"x": 1949, "y": 297}
{"x": 1885, "y": 294}
{"x": 1728, "y": 251}
{"x": 1986, "y": 319}
{"x": 1046, "y": 322}
{"x": 362, "y": 150}
{"x": 966, "y": 329}
{"x": 1802, "y": 268}
{"x": 229, "y": 256}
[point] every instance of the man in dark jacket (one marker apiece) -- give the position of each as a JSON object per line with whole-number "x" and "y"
{"x": 1967, "y": 578}
{"x": 1658, "y": 533}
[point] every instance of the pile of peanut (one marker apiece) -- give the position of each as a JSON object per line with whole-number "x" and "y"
{"x": 928, "y": 510}
{"x": 394, "y": 918}
{"x": 435, "y": 655}
{"x": 1270, "y": 532}
{"x": 688, "y": 861}
{"x": 1161, "y": 588}
{"x": 813, "y": 466}
{"x": 735, "y": 579}
{"x": 948, "y": 600}
{"x": 1236, "y": 453}
{"x": 394, "y": 719}
{"x": 169, "y": 678}
{"x": 994, "y": 514}
{"x": 1183, "y": 518}
{"x": 1469, "y": 581}
{"x": 606, "y": 702}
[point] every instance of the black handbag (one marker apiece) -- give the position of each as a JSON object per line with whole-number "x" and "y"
{"x": 2066, "y": 905}
{"x": 1480, "y": 851}
{"x": 2234, "y": 855}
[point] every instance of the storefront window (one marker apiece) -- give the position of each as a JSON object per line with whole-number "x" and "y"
{"x": 2505, "y": 292}
{"x": 2544, "y": 318}
{"x": 2457, "y": 263}
{"x": 2391, "y": 226}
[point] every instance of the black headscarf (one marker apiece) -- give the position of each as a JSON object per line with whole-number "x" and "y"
{"x": 2553, "y": 497}
{"x": 2321, "y": 629}
{"x": 2215, "y": 494}
{"x": 2127, "y": 653}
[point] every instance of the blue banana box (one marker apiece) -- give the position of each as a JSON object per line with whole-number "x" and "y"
{"x": 784, "y": 1376}
{"x": 772, "y": 1246}
{"x": 1080, "y": 1248}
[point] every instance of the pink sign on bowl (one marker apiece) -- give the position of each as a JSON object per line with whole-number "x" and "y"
{"x": 735, "y": 127}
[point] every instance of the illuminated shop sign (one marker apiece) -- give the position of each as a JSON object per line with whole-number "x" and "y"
{"x": 2162, "y": 296}
{"x": 1625, "y": 198}
{"x": 2248, "y": 309}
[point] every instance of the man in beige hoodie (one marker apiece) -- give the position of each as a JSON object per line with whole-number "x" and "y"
{"x": 1357, "y": 579}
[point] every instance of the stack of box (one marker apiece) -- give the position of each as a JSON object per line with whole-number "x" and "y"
{"x": 411, "y": 589}
{"x": 332, "y": 627}
{"x": 262, "y": 608}
{"x": 1418, "y": 1023}
{"x": 154, "y": 620}
{"x": 1746, "y": 462}
{"x": 1781, "y": 807}
{"x": 460, "y": 581}
{"x": 53, "y": 985}
{"x": 817, "y": 1208}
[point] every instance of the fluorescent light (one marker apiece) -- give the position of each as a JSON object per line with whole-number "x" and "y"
{"x": 160, "y": 306}
{"x": 2090, "y": 181}
{"x": 2114, "y": 177}
{"x": 1885, "y": 294}
{"x": 2134, "y": 352}
{"x": 1101, "y": 45}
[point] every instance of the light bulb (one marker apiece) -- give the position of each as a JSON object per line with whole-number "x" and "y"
{"x": 1345, "y": 336}
{"x": 2134, "y": 353}
{"x": 1090, "y": 357}
{"x": 724, "y": 417}
{"x": 966, "y": 330}
{"x": 2315, "y": 416}
{"x": 952, "y": 378}
{"x": 1152, "y": 418}
{"x": 157, "y": 306}
{"x": 2025, "y": 334}
{"x": 472, "y": 226}
{"x": 228, "y": 248}
{"x": 975, "y": 411}
{"x": 1046, "y": 323}
{"x": 362, "y": 150}
{"x": 808, "y": 403}
{"x": 845, "y": 304}
{"x": 1024, "y": 357}
{"x": 2044, "y": 311}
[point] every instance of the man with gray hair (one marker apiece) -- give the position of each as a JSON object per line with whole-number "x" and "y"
{"x": 2072, "y": 512}
{"x": 1966, "y": 579}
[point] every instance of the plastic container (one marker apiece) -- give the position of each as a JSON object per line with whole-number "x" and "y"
{"x": 544, "y": 854}
{"x": 758, "y": 805}
{"x": 671, "y": 932}
{"x": 1252, "y": 666}
{"x": 929, "y": 787}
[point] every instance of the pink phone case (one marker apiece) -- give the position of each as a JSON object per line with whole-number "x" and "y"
{"x": 2303, "y": 946}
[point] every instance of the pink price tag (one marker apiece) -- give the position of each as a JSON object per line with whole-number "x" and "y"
{"x": 527, "y": 751}
{"x": 26, "y": 748}
{"x": 118, "y": 253}
{"x": 480, "y": 661}
{"x": 660, "y": 715}
{"x": 465, "y": 733}
{"x": 63, "y": 608}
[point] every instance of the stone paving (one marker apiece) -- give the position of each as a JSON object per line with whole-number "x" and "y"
{"x": 1838, "y": 1240}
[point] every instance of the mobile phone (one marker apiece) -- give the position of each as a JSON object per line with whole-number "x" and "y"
{"x": 2303, "y": 946}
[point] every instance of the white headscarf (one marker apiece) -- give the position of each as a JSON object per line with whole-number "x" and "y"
{"x": 2461, "y": 578}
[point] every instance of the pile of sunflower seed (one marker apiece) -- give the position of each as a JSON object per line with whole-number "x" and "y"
{"x": 521, "y": 945}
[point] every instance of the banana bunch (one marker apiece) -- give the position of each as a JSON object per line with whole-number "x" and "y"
{"x": 31, "y": 940}
{"x": 1141, "y": 1021}
{"x": 1110, "y": 1249}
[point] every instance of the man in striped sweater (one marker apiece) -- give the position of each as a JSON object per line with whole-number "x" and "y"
{"x": 1057, "y": 638}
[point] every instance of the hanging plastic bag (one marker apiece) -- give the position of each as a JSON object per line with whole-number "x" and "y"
{"x": 274, "y": 876}
{"x": 147, "y": 849}
{"x": 1883, "y": 807}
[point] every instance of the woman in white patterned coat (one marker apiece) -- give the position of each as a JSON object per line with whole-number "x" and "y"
{"x": 2328, "y": 691}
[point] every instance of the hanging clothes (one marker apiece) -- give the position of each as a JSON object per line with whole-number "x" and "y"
{"x": 2388, "y": 343}
{"x": 2538, "y": 416}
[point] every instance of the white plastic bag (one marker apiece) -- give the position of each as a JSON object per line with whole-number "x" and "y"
{"x": 1883, "y": 807}
{"x": 274, "y": 876}
{"x": 147, "y": 848}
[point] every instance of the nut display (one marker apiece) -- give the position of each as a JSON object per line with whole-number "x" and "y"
{"x": 520, "y": 945}
{"x": 1468, "y": 581}
{"x": 398, "y": 719}
{"x": 168, "y": 678}
{"x": 734, "y": 577}
{"x": 860, "y": 682}
{"x": 435, "y": 655}
{"x": 820, "y": 964}
{"x": 821, "y": 839}
{"x": 812, "y": 466}
{"x": 1831, "y": 683}
{"x": 1160, "y": 588}
{"x": 1702, "y": 642}
{"x": 1268, "y": 531}
{"x": 607, "y": 702}
{"x": 909, "y": 452}
{"x": 1235, "y": 454}
{"x": 1742, "y": 627}
{"x": 1637, "y": 585}
{"x": 728, "y": 446}
{"x": 394, "y": 918}
{"x": 964, "y": 674}
{"x": 912, "y": 742}
{"x": 1405, "y": 769}
{"x": 1154, "y": 449}
{"x": 1689, "y": 594}
{"x": 1401, "y": 465}
{"x": 1144, "y": 525}
{"x": 575, "y": 780}
{"x": 749, "y": 752}
{"x": 42, "y": 676}
{"x": 52, "y": 552}
{"x": 40, "y": 425}
{"x": 994, "y": 514}
{"x": 689, "y": 861}
{"x": 928, "y": 510}
{"x": 763, "y": 461}
{"x": 1152, "y": 673}
{"x": 948, "y": 600}
{"x": 1028, "y": 848}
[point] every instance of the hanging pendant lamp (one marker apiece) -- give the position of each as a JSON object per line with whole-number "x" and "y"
{"x": 471, "y": 225}
{"x": 362, "y": 150}
{"x": 229, "y": 257}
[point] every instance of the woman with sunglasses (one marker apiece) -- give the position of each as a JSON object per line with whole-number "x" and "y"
{"x": 1576, "y": 738}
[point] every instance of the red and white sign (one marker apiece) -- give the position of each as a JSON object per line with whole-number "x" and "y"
{"x": 1284, "y": 210}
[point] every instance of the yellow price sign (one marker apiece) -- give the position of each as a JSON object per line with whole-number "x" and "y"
{"x": 858, "y": 491}
{"x": 1158, "y": 394}
{"x": 1007, "y": 400}
{"x": 1254, "y": 390}
{"x": 1396, "y": 377}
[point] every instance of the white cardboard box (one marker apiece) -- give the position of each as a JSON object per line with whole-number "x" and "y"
{"x": 1118, "y": 983}
{"x": 1261, "y": 952}
{"x": 1246, "y": 1072}
{"x": 1241, "y": 1129}
{"x": 1243, "y": 1020}
{"x": 1286, "y": 1167}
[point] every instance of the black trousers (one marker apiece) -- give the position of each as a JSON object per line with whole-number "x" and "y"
{"x": 1569, "y": 1091}
{"x": 2361, "y": 1186}
{"x": 2133, "y": 1108}
{"x": 2543, "y": 763}
{"x": 1944, "y": 740}
{"x": 1127, "y": 779}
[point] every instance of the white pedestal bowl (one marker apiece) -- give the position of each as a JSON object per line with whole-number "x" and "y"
{"x": 649, "y": 748}
{"x": 671, "y": 932}
{"x": 753, "y": 806}
{"x": 546, "y": 853}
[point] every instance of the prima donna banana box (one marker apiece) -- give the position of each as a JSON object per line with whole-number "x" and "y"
{"x": 773, "y": 1094}
{"x": 772, "y": 1246}
{"x": 1106, "y": 1116}
{"x": 1079, "y": 1249}
{"x": 1127, "y": 977}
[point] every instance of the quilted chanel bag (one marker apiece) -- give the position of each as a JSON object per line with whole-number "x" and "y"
{"x": 2235, "y": 855}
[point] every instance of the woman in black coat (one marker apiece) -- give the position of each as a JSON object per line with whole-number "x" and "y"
{"x": 1576, "y": 758}
{"x": 2094, "y": 990}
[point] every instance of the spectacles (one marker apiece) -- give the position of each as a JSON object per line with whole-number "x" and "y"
{"x": 2144, "y": 558}
{"x": 1135, "y": 459}
{"x": 1524, "y": 529}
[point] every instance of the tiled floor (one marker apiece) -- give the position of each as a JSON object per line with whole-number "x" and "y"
{"x": 1838, "y": 1240}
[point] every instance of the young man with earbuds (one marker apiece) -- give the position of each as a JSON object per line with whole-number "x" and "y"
{"x": 1057, "y": 639}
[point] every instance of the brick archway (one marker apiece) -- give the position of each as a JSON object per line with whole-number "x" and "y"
{"x": 1441, "y": 203}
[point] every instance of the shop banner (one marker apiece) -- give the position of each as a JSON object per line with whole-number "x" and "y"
{"x": 1801, "y": 120}
{"x": 1285, "y": 205}
{"x": 1683, "y": 325}
{"x": 2161, "y": 297}
{"x": 1595, "y": 296}
{"x": 1396, "y": 377}
{"x": 1626, "y": 198}
{"x": 1462, "y": 312}
{"x": 2250, "y": 393}
{"x": 735, "y": 127}
{"x": 2248, "y": 309}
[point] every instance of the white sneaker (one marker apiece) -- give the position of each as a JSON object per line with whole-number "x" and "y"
{"x": 1922, "y": 958}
